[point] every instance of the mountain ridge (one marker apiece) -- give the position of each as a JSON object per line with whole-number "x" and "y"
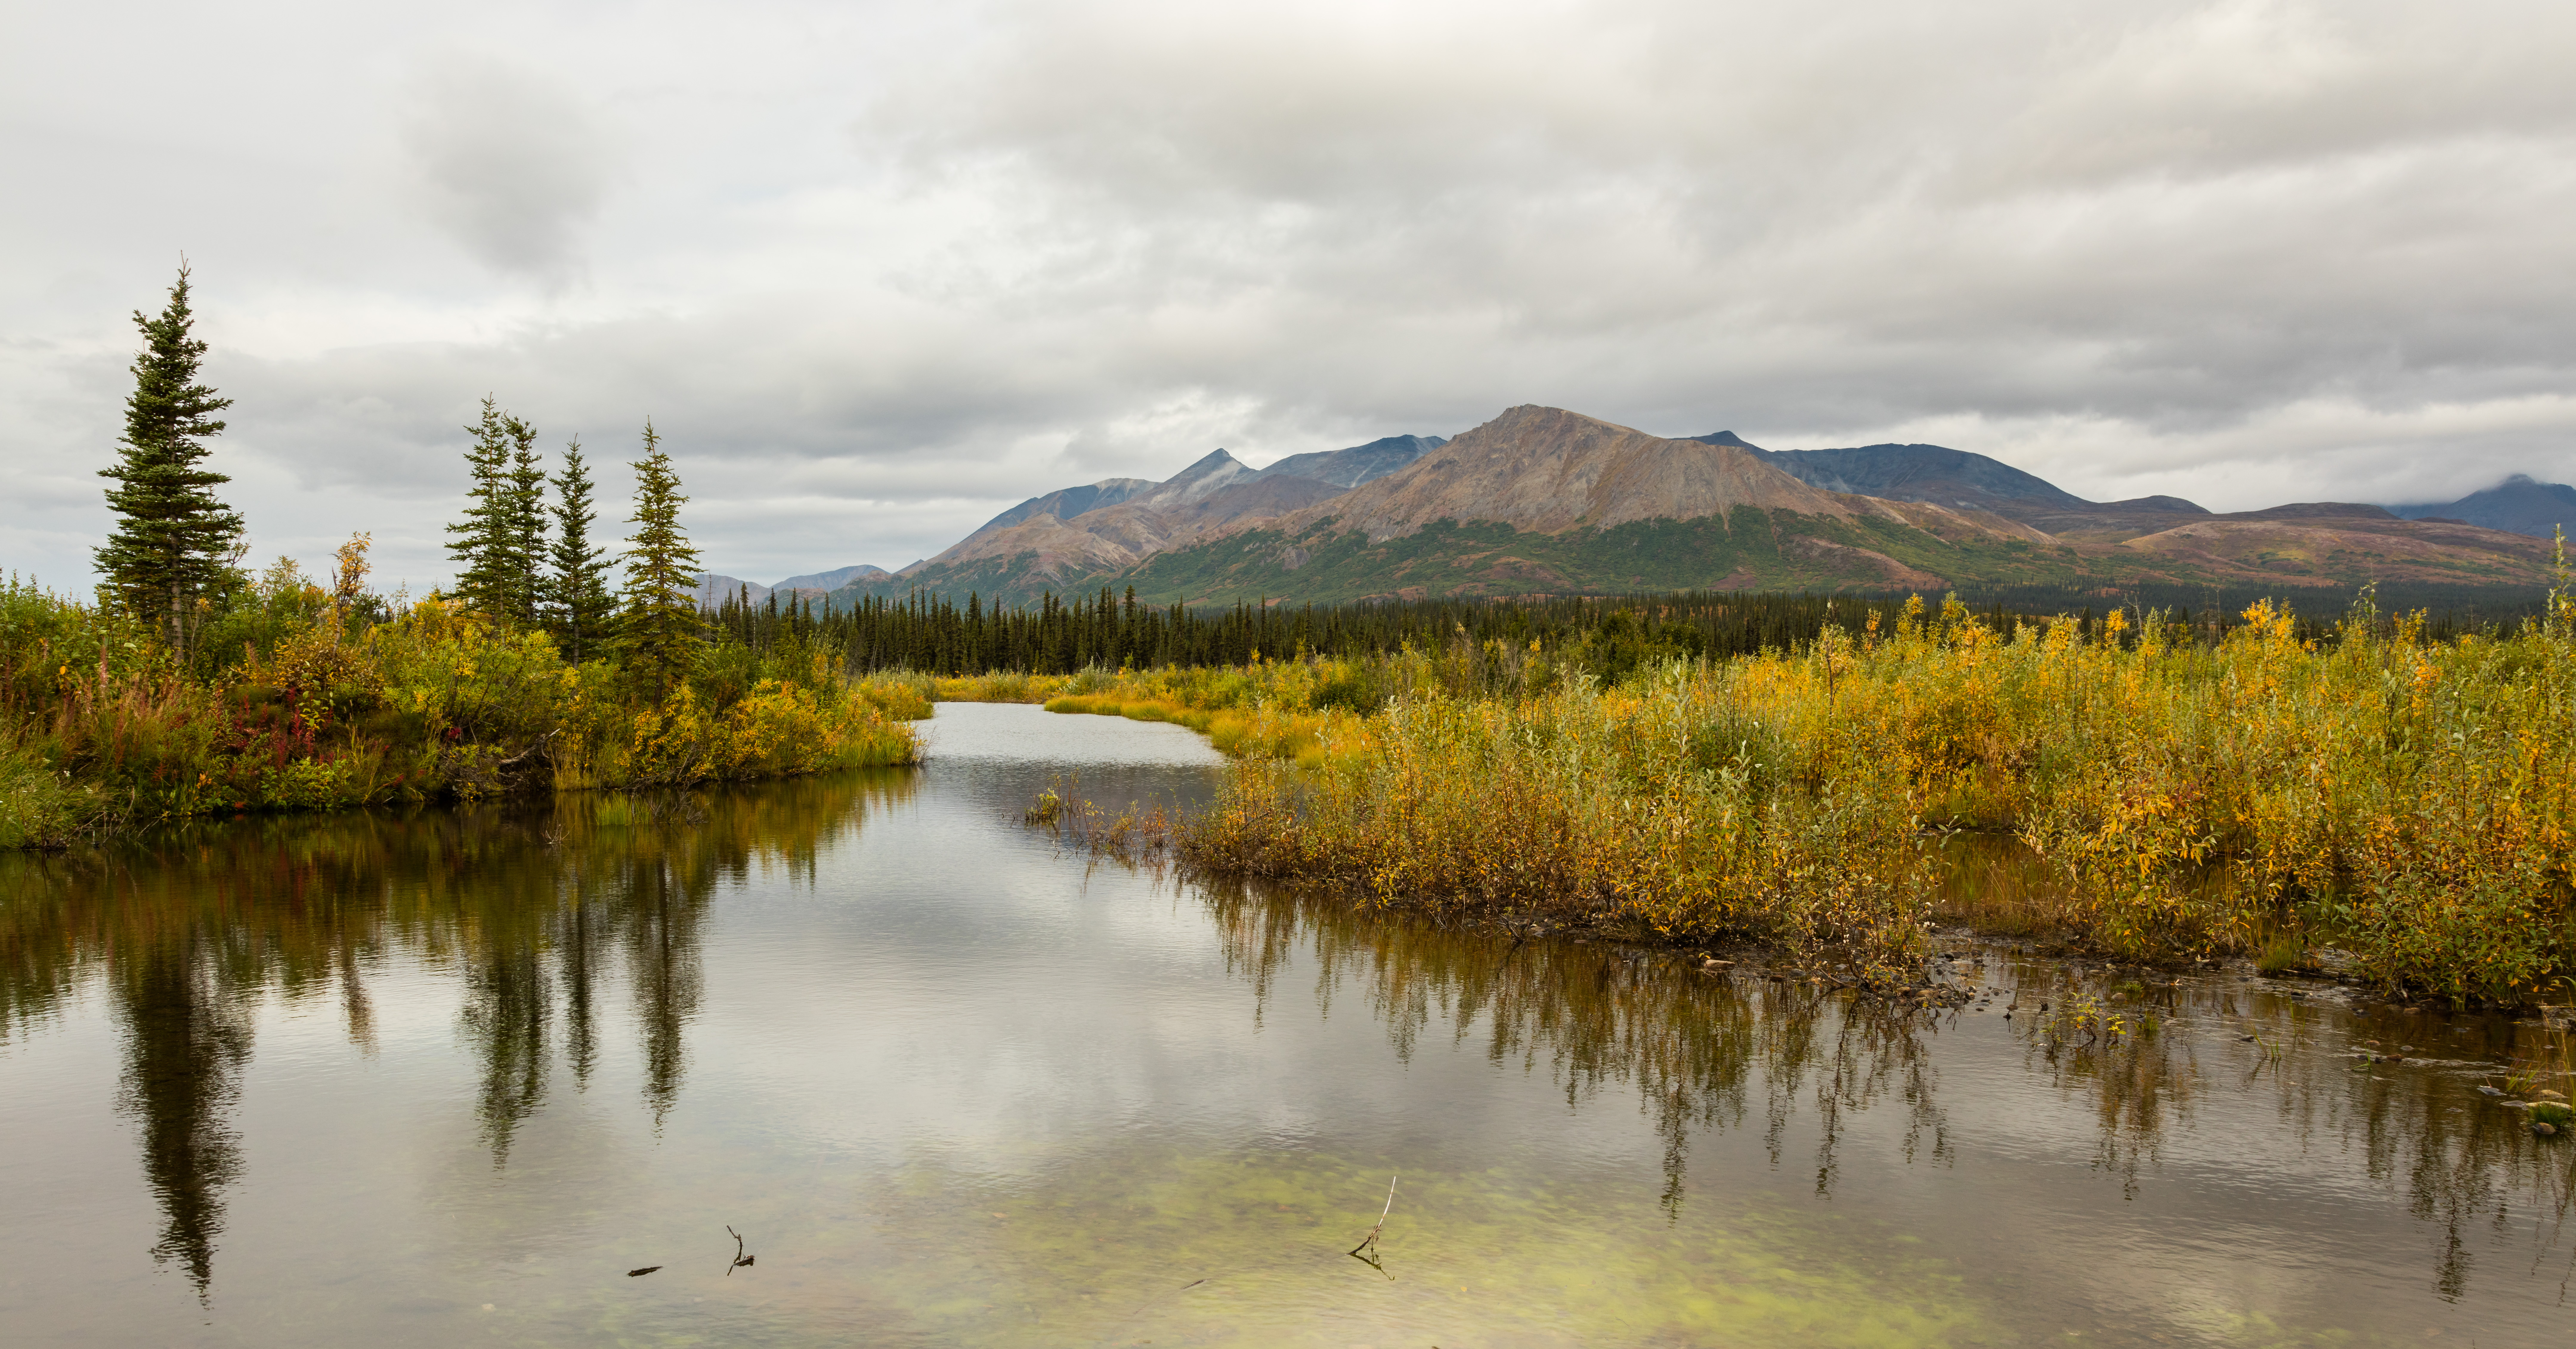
{"x": 1545, "y": 500}
{"x": 2519, "y": 504}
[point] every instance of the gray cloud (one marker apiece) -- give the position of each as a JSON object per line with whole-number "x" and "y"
{"x": 878, "y": 272}
{"x": 511, "y": 165}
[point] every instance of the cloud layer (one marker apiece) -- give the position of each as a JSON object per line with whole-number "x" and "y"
{"x": 877, "y": 273}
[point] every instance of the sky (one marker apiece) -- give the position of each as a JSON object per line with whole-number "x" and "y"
{"x": 878, "y": 271}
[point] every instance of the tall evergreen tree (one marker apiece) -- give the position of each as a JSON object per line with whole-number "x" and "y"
{"x": 174, "y": 539}
{"x": 483, "y": 541}
{"x": 525, "y": 595}
{"x": 578, "y": 603}
{"x": 661, "y": 626}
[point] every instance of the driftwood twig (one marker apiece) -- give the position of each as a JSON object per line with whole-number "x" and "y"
{"x": 739, "y": 1259}
{"x": 1371, "y": 1238}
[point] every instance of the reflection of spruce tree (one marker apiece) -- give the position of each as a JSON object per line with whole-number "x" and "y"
{"x": 505, "y": 1011}
{"x": 184, "y": 1052}
{"x": 662, "y": 914}
{"x": 579, "y": 936}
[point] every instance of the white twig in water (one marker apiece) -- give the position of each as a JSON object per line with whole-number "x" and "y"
{"x": 1381, "y": 1218}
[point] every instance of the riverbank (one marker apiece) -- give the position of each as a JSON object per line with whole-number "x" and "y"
{"x": 102, "y": 727}
{"x": 2406, "y": 801}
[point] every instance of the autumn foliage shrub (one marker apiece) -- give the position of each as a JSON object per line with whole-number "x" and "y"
{"x": 441, "y": 702}
{"x": 2411, "y": 798}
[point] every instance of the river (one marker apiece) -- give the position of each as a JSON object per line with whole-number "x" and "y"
{"x": 449, "y": 1076}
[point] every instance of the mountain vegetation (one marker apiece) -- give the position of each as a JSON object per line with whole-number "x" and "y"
{"x": 1541, "y": 501}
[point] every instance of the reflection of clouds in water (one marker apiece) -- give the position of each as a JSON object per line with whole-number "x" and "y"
{"x": 789, "y": 998}
{"x": 1029, "y": 735}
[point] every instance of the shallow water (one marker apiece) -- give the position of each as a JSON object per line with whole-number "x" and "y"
{"x": 447, "y": 1077}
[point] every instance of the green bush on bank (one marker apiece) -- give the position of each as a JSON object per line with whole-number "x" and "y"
{"x": 294, "y": 703}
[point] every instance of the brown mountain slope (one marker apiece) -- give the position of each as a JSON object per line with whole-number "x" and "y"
{"x": 2331, "y": 544}
{"x": 1545, "y": 500}
{"x": 1547, "y": 470}
{"x": 1215, "y": 492}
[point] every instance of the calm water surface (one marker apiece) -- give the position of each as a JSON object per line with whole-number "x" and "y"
{"x": 446, "y": 1078}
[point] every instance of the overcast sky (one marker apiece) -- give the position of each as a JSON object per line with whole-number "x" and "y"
{"x": 877, "y": 272}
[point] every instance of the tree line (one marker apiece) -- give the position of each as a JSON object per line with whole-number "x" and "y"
{"x": 176, "y": 548}
{"x": 525, "y": 555}
{"x": 530, "y": 562}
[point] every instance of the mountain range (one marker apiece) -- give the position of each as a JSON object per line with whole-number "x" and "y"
{"x": 1543, "y": 500}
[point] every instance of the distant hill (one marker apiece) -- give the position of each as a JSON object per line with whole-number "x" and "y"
{"x": 825, "y": 582}
{"x": 714, "y": 588}
{"x": 2518, "y": 505}
{"x": 1541, "y": 500}
{"x": 1049, "y": 542}
{"x": 1544, "y": 500}
{"x": 1959, "y": 478}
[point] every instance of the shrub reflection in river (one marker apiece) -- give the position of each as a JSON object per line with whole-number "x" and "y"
{"x": 194, "y": 927}
{"x": 2143, "y": 1051}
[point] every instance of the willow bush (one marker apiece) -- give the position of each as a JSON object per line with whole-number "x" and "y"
{"x": 2413, "y": 797}
{"x": 100, "y": 724}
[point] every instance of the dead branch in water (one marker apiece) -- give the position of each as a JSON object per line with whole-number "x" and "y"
{"x": 1372, "y": 1260}
{"x": 739, "y": 1259}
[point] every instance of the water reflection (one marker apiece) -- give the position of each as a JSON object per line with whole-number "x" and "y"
{"x": 2145, "y": 1053}
{"x": 186, "y": 1042}
{"x": 2238, "y": 1095}
{"x": 193, "y": 927}
{"x": 1696, "y": 1048}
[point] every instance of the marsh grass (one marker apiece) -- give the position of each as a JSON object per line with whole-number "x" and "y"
{"x": 2409, "y": 799}
{"x": 1134, "y": 834}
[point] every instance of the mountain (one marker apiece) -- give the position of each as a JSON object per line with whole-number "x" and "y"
{"x": 1543, "y": 500}
{"x": 1049, "y": 542}
{"x": 1358, "y": 464}
{"x": 1949, "y": 477}
{"x": 714, "y": 589}
{"x": 825, "y": 582}
{"x": 1067, "y": 502}
{"x": 2517, "y": 505}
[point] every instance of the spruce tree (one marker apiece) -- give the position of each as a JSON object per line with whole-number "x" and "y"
{"x": 579, "y": 606}
{"x": 526, "y": 532}
{"x": 661, "y": 626}
{"x": 174, "y": 540}
{"x": 483, "y": 539}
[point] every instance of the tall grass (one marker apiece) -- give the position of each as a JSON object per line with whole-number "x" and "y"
{"x": 2411, "y": 798}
